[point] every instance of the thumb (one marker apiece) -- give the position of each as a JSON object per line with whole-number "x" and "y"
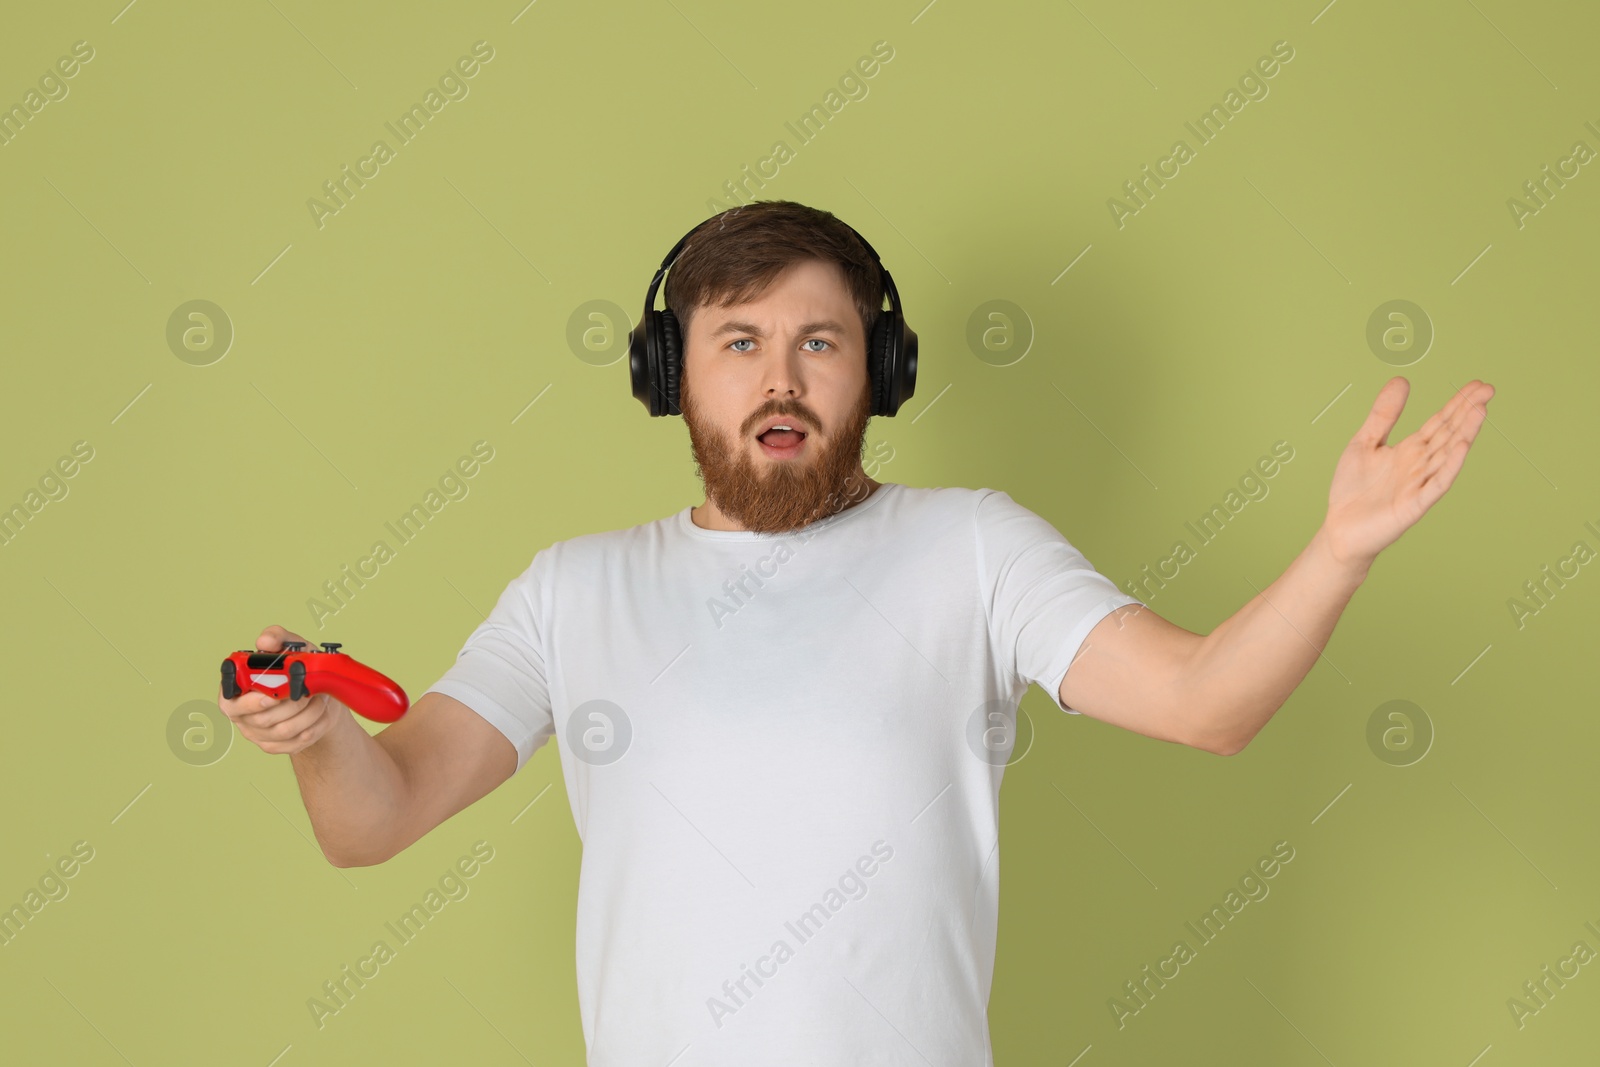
{"x": 273, "y": 638}
{"x": 1391, "y": 400}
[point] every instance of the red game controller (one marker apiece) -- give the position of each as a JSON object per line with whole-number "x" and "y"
{"x": 297, "y": 671}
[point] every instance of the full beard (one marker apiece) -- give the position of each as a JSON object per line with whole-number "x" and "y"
{"x": 788, "y": 494}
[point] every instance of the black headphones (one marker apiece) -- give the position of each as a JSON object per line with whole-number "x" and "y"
{"x": 655, "y": 348}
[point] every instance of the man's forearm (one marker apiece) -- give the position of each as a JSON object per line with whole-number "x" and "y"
{"x": 1245, "y": 669}
{"x": 353, "y": 792}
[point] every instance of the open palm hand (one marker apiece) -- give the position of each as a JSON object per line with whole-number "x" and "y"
{"x": 1379, "y": 491}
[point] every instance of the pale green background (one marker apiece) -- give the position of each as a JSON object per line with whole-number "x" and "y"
{"x": 434, "y": 308}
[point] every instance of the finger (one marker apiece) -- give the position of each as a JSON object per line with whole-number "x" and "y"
{"x": 288, "y": 728}
{"x": 1386, "y": 408}
{"x": 278, "y": 711}
{"x": 249, "y": 706}
{"x": 273, "y": 638}
{"x": 301, "y": 740}
{"x": 1466, "y": 419}
{"x": 1441, "y": 480}
{"x": 1442, "y": 419}
{"x": 1477, "y": 409}
{"x": 246, "y": 703}
{"x": 1443, "y": 434}
{"x": 256, "y": 701}
{"x": 1433, "y": 463}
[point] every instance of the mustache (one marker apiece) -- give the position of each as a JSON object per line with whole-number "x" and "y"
{"x": 792, "y": 409}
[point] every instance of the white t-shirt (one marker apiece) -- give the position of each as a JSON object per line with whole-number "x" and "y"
{"x": 783, "y": 754}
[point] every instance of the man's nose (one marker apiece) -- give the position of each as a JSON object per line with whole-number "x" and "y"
{"x": 781, "y": 373}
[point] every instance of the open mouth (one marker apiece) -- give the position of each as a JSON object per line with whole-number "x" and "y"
{"x": 782, "y": 443}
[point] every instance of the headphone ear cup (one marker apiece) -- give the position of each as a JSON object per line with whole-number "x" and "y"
{"x": 641, "y": 343}
{"x": 904, "y": 381}
{"x": 671, "y": 360}
{"x": 879, "y": 359}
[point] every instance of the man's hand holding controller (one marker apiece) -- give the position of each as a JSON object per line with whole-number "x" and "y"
{"x": 280, "y": 725}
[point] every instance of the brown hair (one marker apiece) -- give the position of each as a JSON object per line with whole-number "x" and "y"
{"x": 734, "y": 256}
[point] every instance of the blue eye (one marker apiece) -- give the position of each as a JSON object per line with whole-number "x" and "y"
{"x": 749, "y": 341}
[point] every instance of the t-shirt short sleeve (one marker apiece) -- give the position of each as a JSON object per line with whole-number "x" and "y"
{"x": 500, "y": 672}
{"x": 1042, "y": 595}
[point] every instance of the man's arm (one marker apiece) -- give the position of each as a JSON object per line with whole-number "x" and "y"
{"x": 1214, "y": 692}
{"x": 1139, "y": 671}
{"x": 371, "y": 796}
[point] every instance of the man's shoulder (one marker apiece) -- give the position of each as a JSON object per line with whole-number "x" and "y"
{"x": 950, "y": 501}
{"x": 600, "y": 544}
{"x": 938, "y": 497}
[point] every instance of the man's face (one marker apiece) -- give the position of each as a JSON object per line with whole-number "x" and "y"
{"x": 796, "y": 355}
